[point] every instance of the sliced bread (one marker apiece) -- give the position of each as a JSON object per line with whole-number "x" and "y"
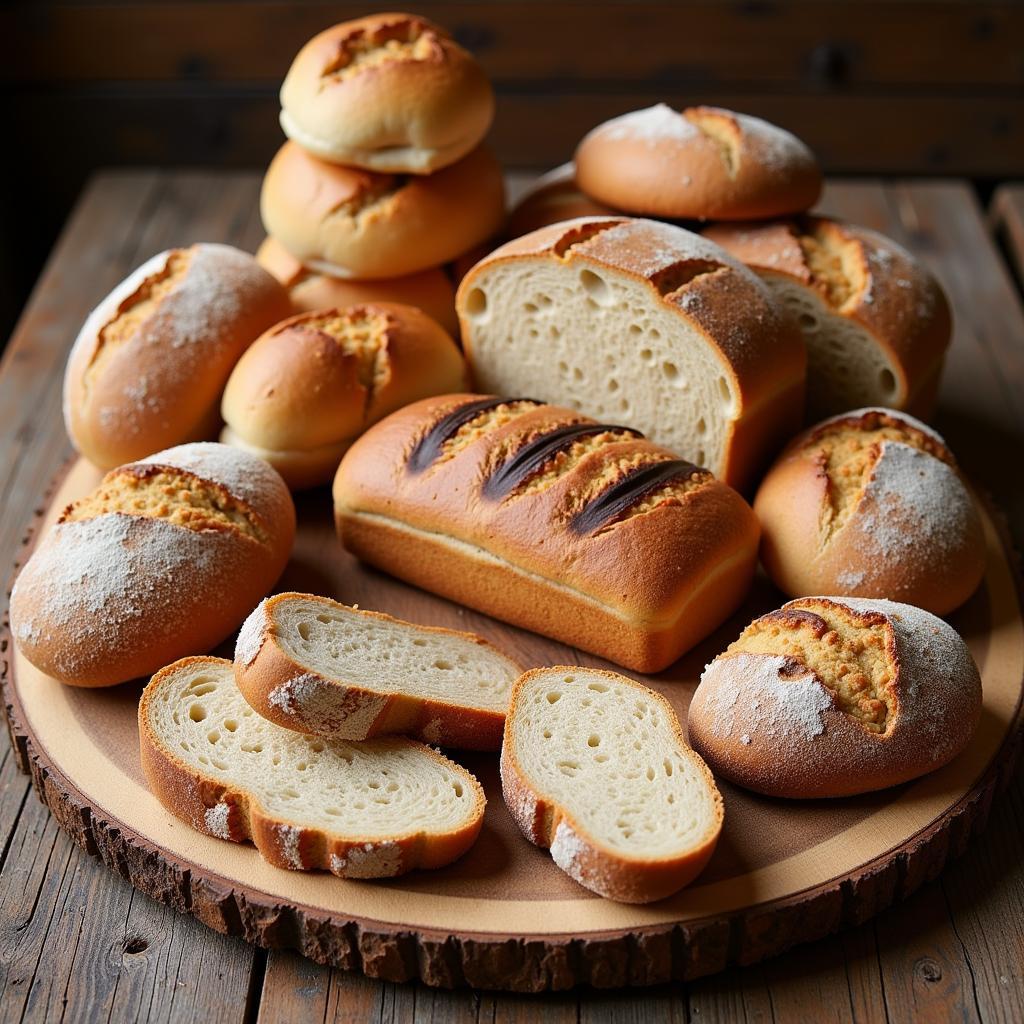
{"x": 359, "y": 810}
{"x": 594, "y": 766}
{"x": 314, "y": 665}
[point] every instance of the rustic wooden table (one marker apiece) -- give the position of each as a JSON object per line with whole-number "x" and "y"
{"x": 78, "y": 943}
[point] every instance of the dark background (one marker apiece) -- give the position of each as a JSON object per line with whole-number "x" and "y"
{"x": 923, "y": 87}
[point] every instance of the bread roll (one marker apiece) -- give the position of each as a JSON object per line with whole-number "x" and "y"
{"x": 351, "y": 223}
{"x": 876, "y": 323}
{"x": 150, "y": 363}
{"x": 553, "y": 197}
{"x": 831, "y": 697}
{"x": 700, "y": 163}
{"x": 430, "y": 290}
{"x": 871, "y": 504}
{"x": 310, "y": 385}
{"x": 390, "y": 92}
{"x": 643, "y": 323}
{"x": 542, "y": 517}
{"x": 166, "y": 557}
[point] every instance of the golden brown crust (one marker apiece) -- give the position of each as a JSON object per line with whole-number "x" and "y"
{"x": 554, "y": 197}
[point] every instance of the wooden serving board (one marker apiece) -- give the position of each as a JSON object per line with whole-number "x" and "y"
{"x": 504, "y": 916}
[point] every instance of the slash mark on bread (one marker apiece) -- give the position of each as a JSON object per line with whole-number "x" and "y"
{"x": 580, "y": 234}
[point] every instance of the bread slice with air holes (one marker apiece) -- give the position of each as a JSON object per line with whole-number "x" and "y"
{"x": 359, "y": 810}
{"x": 594, "y": 766}
{"x": 314, "y": 665}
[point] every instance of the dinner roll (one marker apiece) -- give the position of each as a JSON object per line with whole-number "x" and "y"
{"x": 698, "y": 163}
{"x": 309, "y": 386}
{"x": 390, "y": 92}
{"x": 164, "y": 558}
{"x": 430, "y": 290}
{"x": 876, "y": 322}
{"x": 150, "y": 362}
{"x": 352, "y": 223}
{"x": 553, "y": 197}
{"x": 831, "y": 697}
{"x": 871, "y": 504}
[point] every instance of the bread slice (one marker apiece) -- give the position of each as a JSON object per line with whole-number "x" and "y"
{"x": 594, "y": 766}
{"x": 314, "y": 665}
{"x": 359, "y": 810}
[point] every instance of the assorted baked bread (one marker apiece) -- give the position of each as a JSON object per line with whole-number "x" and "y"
{"x": 700, "y": 163}
{"x": 358, "y": 810}
{"x": 149, "y": 365}
{"x": 871, "y": 504}
{"x": 545, "y": 518}
{"x": 645, "y": 323}
{"x": 311, "y": 384}
{"x": 164, "y": 558}
{"x": 311, "y": 664}
{"x": 830, "y": 697}
{"x": 594, "y": 768}
{"x": 876, "y": 323}
{"x": 553, "y": 197}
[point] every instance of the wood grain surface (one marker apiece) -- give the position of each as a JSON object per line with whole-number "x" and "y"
{"x": 75, "y": 942}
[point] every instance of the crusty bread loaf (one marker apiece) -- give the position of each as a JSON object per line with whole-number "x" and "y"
{"x": 644, "y": 323}
{"x": 871, "y": 504}
{"x": 544, "y": 518}
{"x": 594, "y": 767}
{"x": 875, "y": 321}
{"x": 352, "y": 223}
{"x": 700, "y": 163}
{"x": 150, "y": 362}
{"x": 830, "y": 697}
{"x": 167, "y": 556}
{"x": 314, "y": 665}
{"x": 552, "y": 198}
{"x": 430, "y": 290}
{"x": 390, "y": 92}
{"x": 310, "y": 385}
{"x": 359, "y": 810}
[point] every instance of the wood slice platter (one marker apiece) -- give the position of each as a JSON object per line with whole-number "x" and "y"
{"x": 505, "y": 916}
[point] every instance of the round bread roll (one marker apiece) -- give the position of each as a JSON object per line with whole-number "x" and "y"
{"x": 430, "y": 290}
{"x": 871, "y": 504}
{"x": 553, "y": 197}
{"x": 699, "y": 163}
{"x": 149, "y": 365}
{"x": 876, "y": 322}
{"x": 832, "y": 696}
{"x": 390, "y": 92}
{"x": 165, "y": 558}
{"x": 311, "y": 385}
{"x": 351, "y": 223}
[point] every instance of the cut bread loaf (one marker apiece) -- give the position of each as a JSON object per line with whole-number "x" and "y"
{"x": 359, "y": 810}
{"x": 643, "y": 323}
{"x": 311, "y": 664}
{"x": 876, "y": 323}
{"x": 594, "y": 767}
{"x": 830, "y": 697}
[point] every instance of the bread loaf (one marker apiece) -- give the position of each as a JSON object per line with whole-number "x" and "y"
{"x": 552, "y": 198}
{"x": 831, "y": 697}
{"x": 542, "y": 517}
{"x": 314, "y": 665}
{"x": 875, "y": 321}
{"x": 871, "y": 504}
{"x": 167, "y": 556}
{"x": 150, "y": 363}
{"x": 358, "y": 810}
{"x": 310, "y": 385}
{"x": 643, "y": 323}
{"x": 594, "y": 767}
{"x": 700, "y": 163}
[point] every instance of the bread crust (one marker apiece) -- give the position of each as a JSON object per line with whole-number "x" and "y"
{"x": 327, "y": 706}
{"x": 737, "y": 724}
{"x": 414, "y": 114}
{"x": 595, "y": 865}
{"x": 190, "y": 797}
{"x": 360, "y": 224}
{"x": 700, "y": 163}
{"x": 552, "y": 198}
{"x": 161, "y": 384}
{"x": 639, "y": 592}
